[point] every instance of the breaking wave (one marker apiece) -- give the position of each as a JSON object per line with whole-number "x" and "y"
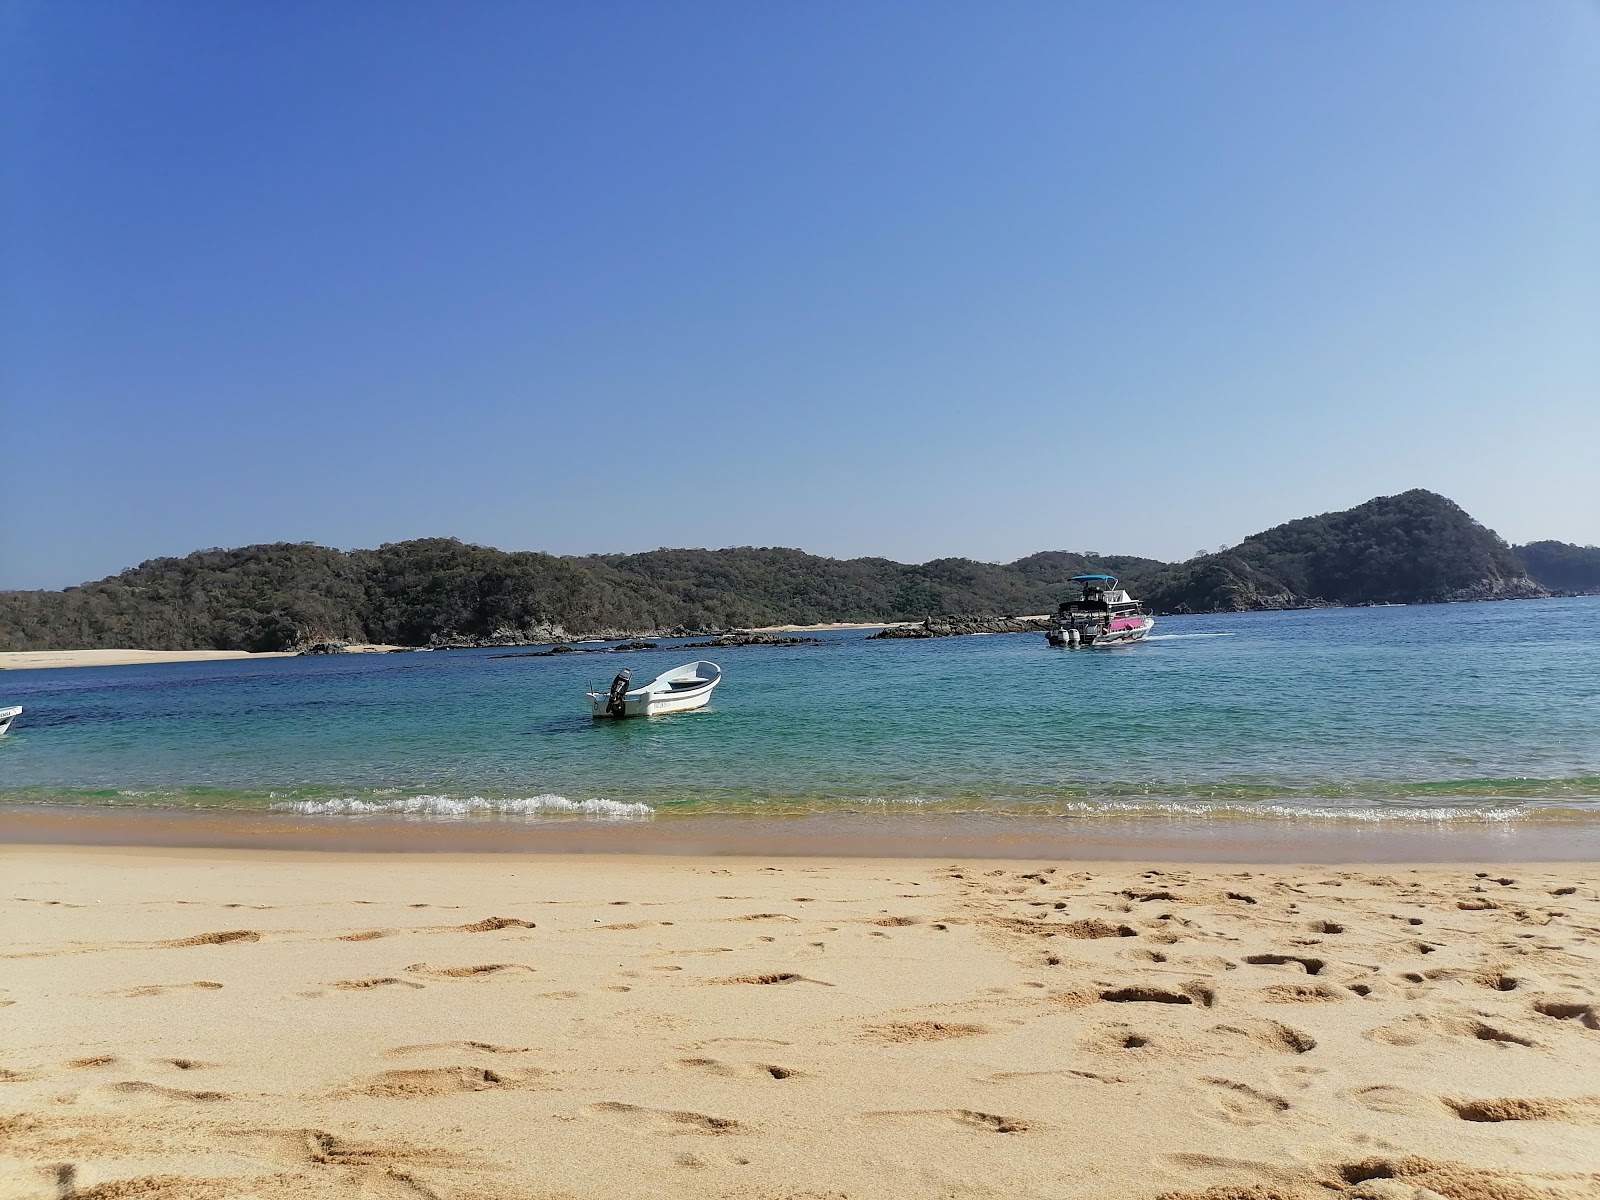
{"x": 465, "y": 806}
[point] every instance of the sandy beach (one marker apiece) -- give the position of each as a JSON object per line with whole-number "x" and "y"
{"x": 22, "y": 660}
{"x": 206, "y": 1024}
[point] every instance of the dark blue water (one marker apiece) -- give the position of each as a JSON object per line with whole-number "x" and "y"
{"x": 1477, "y": 711}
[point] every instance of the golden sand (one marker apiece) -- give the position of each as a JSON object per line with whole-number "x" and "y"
{"x": 199, "y": 1024}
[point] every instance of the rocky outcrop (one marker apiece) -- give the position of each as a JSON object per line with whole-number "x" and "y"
{"x": 1519, "y": 588}
{"x": 745, "y": 638}
{"x": 333, "y": 647}
{"x": 936, "y": 627}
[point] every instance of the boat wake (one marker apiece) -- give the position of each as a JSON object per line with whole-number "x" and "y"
{"x": 1183, "y": 637}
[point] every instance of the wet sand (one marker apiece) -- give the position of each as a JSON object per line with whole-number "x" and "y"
{"x": 213, "y": 1024}
{"x": 1214, "y": 838}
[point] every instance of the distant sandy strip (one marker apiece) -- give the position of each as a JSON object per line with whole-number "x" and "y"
{"x": 24, "y": 660}
{"x": 212, "y": 1025}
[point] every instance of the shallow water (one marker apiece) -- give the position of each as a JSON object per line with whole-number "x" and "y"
{"x": 1474, "y": 712}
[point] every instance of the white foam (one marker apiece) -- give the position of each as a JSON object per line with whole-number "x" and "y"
{"x": 464, "y": 806}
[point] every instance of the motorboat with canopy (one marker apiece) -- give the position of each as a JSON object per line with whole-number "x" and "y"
{"x": 1103, "y": 614}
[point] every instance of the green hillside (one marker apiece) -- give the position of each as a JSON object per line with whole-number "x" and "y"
{"x": 1416, "y": 546}
{"x": 1562, "y": 566}
{"x": 279, "y": 596}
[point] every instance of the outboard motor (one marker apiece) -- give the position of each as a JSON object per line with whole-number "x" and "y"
{"x": 616, "y": 702}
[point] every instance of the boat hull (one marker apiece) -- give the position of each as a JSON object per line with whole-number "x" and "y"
{"x": 8, "y": 715}
{"x": 1125, "y": 636}
{"x": 682, "y": 689}
{"x": 653, "y": 705}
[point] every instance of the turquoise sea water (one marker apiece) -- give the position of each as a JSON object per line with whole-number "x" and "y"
{"x": 1451, "y": 712}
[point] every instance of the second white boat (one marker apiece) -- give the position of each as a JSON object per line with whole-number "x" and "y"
{"x": 681, "y": 689}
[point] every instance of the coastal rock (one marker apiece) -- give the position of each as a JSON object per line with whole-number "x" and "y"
{"x": 935, "y": 627}
{"x": 326, "y": 648}
{"x": 1519, "y": 588}
{"x": 565, "y": 649}
{"x": 746, "y": 638}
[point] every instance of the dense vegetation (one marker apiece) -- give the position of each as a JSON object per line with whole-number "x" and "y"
{"x": 1561, "y": 566}
{"x": 438, "y": 590}
{"x": 1416, "y": 546}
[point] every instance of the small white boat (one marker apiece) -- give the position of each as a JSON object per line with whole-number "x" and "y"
{"x": 1104, "y": 615}
{"x": 681, "y": 689}
{"x": 8, "y": 715}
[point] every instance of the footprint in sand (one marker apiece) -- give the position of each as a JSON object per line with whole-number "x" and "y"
{"x": 94, "y": 1060}
{"x": 900, "y": 1032}
{"x": 1302, "y": 993}
{"x": 982, "y": 1122}
{"x": 1584, "y": 1109}
{"x": 1242, "y": 1104}
{"x": 1271, "y": 1035}
{"x": 316, "y": 1148}
{"x": 1581, "y": 1011}
{"x": 490, "y": 924}
{"x": 138, "y": 1089}
{"x": 436, "y": 1047}
{"x": 1146, "y": 993}
{"x": 1057, "y": 1073}
{"x": 441, "y": 1081}
{"x": 480, "y": 971}
{"x": 1395, "y": 1100}
{"x": 1422, "y": 1027}
{"x": 700, "y": 1162}
{"x": 1311, "y": 966}
{"x": 226, "y": 937}
{"x": 363, "y": 985}
{"x": 156, "y": 989}
{"x": 773, "y": 977}
{"x": 664, "y": 1120}
{"x": 1117, "y": 1037}
{"x": 746, "y": 1070}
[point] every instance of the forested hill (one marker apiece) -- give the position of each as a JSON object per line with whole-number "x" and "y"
{"x": 1561, "y": 566}
{"x": 440, "y": 590}
{"x": 1413, "y": 547}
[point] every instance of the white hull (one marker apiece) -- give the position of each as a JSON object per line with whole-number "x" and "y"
{"x": 1121, "y": 637}
{"x": 681, "y": 690}
{"x": 8, "y": 715}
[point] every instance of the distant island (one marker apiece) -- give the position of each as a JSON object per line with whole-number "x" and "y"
{"x": 1414, "y": 547}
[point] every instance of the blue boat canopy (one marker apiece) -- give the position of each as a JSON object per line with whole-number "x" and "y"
{"x": 1094, "y": 578}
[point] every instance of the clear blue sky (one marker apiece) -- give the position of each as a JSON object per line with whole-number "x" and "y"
{"x": 910, "y": 279}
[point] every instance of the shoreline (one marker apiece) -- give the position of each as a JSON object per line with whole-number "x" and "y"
{"x": 1216, "y": 839}
{"x": 48, "y": 660}
{"x": 209, "y": 1024}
